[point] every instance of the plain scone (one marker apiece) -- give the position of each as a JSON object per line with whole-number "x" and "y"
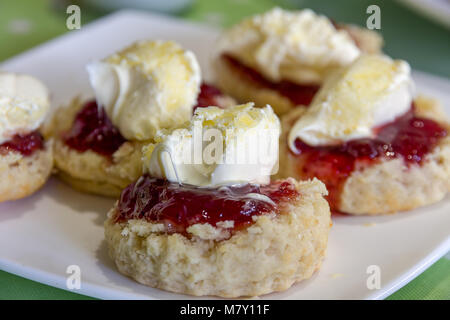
{"x": 389, "y": 185}
{"x": 88, "y": 171}
{"x": 269, "y": 255}
{"x": 23, "y": 175}
{"x": 244, "y": 91}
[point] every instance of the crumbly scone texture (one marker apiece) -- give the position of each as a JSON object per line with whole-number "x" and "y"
{"x": 388, "y": 186}
{"x": 21, "y": 176}
{"x": 270, "y": 255}
{"x": 89, "y": 171}
{"x": 244, "y": 91}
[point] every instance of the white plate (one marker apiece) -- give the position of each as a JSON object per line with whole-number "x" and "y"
{"x": 42, "y": 235}
{"x": 437, "y": 10}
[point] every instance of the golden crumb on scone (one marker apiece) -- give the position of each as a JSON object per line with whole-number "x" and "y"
{"x": 88, "y": 171}
{"x": 387, "y": 186}
{"x": 23, "y": 175}
{"x": 270, "y": 255}
{"x": 229, "y": 81}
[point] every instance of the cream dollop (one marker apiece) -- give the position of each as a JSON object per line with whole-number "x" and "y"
{"x": 299, "y": 46}
{"x": 147, "y": 86}
{"x": 373, "y": 91}
{"x": 218, "y": 147}
{"x": 24, "y": 104}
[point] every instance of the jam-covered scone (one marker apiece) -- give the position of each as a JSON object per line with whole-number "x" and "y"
{"x": 220, "y": 228}
{"x": 282, "y": 57}
{"x": 25, "y": 158}
{"x": 377, "y": 148}
{"x": 146, "y": 87}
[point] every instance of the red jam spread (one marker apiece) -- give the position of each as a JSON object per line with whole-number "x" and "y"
{"x": 26, "y": 144}
{"x": 409, "y": 137}
{"x": 208, "y": 96}
{"x": 296, "y": 93}
{"x": 181, "y": 206}
{"x": 92, "y": 130}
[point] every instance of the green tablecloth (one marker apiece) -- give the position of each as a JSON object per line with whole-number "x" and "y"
{"x": 26, "y": 23}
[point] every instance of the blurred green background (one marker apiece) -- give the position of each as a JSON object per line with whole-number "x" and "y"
{"x": 425, "y": 44}
{"x": 408, "y": 35}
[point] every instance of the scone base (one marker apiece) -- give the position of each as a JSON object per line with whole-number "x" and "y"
{"x": 270, "y": 255}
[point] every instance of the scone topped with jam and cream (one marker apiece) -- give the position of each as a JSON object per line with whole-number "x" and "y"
{"x": 282, "y": 57}
{"x": 377, "y": 147}
{"x": 25, "y": 158}
{"x": 157, "y": 80}
{"x": 140, "y": 90}
{"x": 205, "y": 219}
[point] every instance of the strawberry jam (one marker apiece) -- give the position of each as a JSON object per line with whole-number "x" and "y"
{"x": 296, "y": 93}
{"x": 26, "y": 144}
{"x": 92, "y": 130}
{"x": 181, "y": 206}
{"x": 208, "y": 96}
{"x": 408, "y": 137}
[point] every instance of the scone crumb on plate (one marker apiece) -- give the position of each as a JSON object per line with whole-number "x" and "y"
{"x": 369, "y": 224}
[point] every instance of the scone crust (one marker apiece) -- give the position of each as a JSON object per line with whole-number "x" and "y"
{"x": 270, "y": 255}
{"x": 88, "y": 171}
{"x": 388, "y": 186}
{"x": 21, "y": 175}
{"x": 244, "y": 91}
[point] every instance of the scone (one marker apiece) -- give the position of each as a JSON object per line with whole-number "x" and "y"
{"x": 220, "y": 228}
{"x": 277, "y": 247}
{"x": 25, "y": 158}
{"x": 282, "y": 57}
{"x": 146, "y": 87}
{"x": 377, "y": 148}
{"x": 90, "y": 153}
